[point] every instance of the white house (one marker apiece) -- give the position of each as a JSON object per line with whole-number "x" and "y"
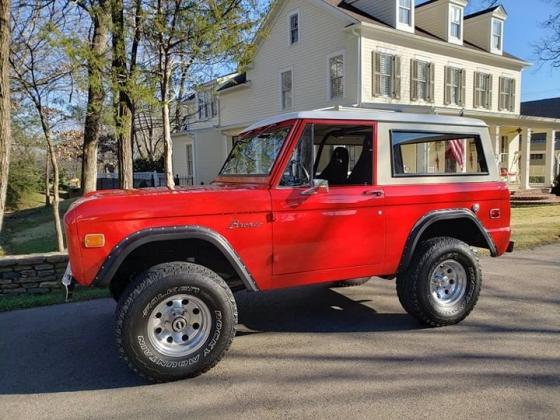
{"x": 385, "y": 54}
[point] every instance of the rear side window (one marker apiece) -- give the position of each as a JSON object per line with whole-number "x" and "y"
{"x": 436, "y": 154}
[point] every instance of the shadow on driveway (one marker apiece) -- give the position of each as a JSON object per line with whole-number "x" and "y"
{"x": 71, "y": 347}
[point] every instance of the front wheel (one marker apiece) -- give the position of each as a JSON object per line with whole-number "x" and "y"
{"x": 175, "y": 321}
{"x": 442, "y": 285}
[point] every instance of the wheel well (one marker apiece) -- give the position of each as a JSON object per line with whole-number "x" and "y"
{"x": 463, "y": 229}
{"x": 197, "y": 251}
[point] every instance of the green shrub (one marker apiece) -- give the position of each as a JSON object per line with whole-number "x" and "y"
{"x": 556, "y": 188}
{"x": 24, "y": 179}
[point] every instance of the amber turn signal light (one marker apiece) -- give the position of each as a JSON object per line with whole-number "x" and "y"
{"x": 94, "y": 240}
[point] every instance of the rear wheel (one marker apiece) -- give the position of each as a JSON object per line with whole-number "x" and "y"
{"x": 442, "y": 285}
{"x": 175, "y": 321}
{"x": 351, "y": 283}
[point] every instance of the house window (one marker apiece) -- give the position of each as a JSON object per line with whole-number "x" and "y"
{"x": 482, "y": 90}
{"x": 207, "y": 106}
{"x": 455, "y": 86}
{"x": 507, "y": 94}
{"x": 497, "y": 34}
{"x": 456, "y": 22}
{"x": 422, "y": 81}
{"x": 387, "y": 75}
{"x": 436, "y": 154}
{"x": 286, "y": 84}
{"x": 336, "y": 76}
{"x": 405, "y": 12}
{"x": 294, "y": 28}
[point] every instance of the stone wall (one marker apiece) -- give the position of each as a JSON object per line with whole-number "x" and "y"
{"x": 35, "y": 273}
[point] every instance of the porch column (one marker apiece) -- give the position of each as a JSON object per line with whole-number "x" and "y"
{"x": 496, "y": 139}
{"x": 549, "y": 158}
{"x": 525, "y": 160}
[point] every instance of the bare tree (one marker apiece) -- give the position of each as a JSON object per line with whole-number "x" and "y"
{"x": 183, "y": 33}
{"x": 124, "y": 86}
{"x": 42, "y": 77}
{"x": 548, "y": 49}
{"x": 5, "y": 114}
{"x": 99, "y": 12}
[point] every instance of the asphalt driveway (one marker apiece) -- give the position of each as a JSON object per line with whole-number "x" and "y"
{"x": 310, "y": 352}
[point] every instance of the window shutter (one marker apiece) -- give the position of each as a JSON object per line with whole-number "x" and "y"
{"x": 490, "y": 91}
{"x": 501, "y": 94}
{"x": 413, "y": 80}
{"x": 396, "y": 77}
{"x": 513, "y": 95}
{"x": 431, "y": 81}
{"x": 476, "y": 89}
{"x": 447, "y": 96}
{"x": 463, "y": 90}
{"x": 376, "y": 79}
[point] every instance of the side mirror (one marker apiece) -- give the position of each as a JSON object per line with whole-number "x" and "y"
{"x": 319, "y": 186}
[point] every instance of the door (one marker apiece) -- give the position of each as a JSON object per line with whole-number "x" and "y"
{"x": 316, "y": 229}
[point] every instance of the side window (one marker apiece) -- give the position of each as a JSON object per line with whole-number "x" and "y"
{"x": 299, "y": 168}
{"x": 430, "y": 154}
{"x": 339, "y": 154}
{"x": 294, "y": 27}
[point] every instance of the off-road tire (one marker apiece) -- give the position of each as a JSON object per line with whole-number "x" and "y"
{"x": 150, "y": 289}
{"x": 352, "y": 283}
{"x": 413, "y": 285}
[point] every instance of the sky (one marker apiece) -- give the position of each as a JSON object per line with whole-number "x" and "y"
{"x": 523, "y": 30}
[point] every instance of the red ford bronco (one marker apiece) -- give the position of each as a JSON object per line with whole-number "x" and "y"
{"x": 303, "y": 198}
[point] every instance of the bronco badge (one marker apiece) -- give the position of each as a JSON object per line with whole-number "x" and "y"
{"x": 236, "y": 224}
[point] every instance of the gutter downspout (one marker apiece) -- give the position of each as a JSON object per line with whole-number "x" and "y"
{"x": 356, "y": 32}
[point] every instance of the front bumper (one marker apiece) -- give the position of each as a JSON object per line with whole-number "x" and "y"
{"x": 68, "y": 282}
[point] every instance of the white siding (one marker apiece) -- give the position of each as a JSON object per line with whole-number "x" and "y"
{"x": 210, "y": 152}
{"x": 321, "y": 34}
{"x": 180, "y": 142}
{"x": 440, "y": 60}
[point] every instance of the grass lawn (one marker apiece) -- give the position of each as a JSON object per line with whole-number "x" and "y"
{"x": 31, "y": 230}
{"x": 535, "y": 225}
{"x": 9, "y": 303}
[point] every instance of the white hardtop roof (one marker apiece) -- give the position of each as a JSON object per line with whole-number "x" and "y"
{"x": 369, "y": 115}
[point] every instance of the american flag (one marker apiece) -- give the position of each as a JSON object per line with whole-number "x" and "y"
{"x": 456, "y": 151}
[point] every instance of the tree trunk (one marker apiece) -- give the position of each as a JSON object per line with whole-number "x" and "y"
{"x": 5, "y": 114}
{"x": 167, "y": 144}
{"x": 56, "y": 180}
{"x": 122, "y": 103}
{"x": 47, "y": 179}
{"x": 96, "y": 95}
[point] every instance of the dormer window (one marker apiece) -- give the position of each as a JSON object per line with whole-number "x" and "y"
{"x": 405, "y": 12}
{"x": 497, "y": 34}
{"x": 293, "y": 20}
{"x": 456, "y": 23}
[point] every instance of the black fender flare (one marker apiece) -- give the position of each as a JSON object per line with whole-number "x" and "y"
{"x": 436, "y": 216}
{"x": 123, "y": 249}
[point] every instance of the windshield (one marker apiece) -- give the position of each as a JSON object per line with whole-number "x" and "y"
{"x": 255, "y": 154}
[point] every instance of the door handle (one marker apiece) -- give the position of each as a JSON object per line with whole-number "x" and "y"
{"x": 374, "y": 193}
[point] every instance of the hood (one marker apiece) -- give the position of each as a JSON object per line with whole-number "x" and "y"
{"x": 115, "y": 205}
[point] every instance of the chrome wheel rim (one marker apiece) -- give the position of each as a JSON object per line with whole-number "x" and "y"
{"x": 179, "y": 325}
{"x": 448, "y": 283}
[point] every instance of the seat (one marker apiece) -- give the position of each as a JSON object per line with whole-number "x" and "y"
{"x": 336, "y": 171}
{"x": 362, "y": 172}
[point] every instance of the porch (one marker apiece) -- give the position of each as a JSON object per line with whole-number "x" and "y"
{"x": 526, "y": 149}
